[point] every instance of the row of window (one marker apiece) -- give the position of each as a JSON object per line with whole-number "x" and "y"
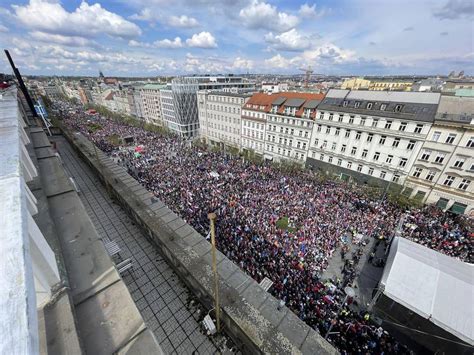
{"x": 253, "y": 124}
{"x": 291, "y": 121}
{"x": 224, "y": 128}
{"x": 370, "y": 105}
{"x": 252, "y": 133}
{"x": 285, "y": 152}
{"x": 231, "y": 139}
{"x": 252, "y": 144}
{"x": 449, "y": 181}
{"x": 286, "y": 141}
{"x": 226, "y": 119}
{"x": 361, "y": 121}
{"x": 253, "y": 114}
{"x": 450, "y": 139}
{"x": 370, "y": 137}
{"x": 287, "y": 130}
{"x": 223, "y": 108}
{"x": 232, "y": 100}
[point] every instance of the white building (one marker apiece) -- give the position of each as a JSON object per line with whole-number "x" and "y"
{"x": 220, "y": 117}
{"x": 443, "y": 173}
{"x": 254, "y": 121}
{"x": 274, "y": 88}
{"x": 289, "y": 125}
{"x": 369, "y": 135}
{"x": 150, "y": 103}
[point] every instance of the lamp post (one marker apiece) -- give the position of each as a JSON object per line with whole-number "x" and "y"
{"x": 350, "y": 292}
{"x": 212, "y": 218}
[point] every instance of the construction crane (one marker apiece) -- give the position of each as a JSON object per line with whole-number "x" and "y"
{"x": 308, "y": 71}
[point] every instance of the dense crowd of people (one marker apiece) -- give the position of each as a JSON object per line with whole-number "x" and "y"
{"x": 251, "y": 200}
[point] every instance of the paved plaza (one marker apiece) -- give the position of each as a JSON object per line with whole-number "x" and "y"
{"x": 160, "y": 296}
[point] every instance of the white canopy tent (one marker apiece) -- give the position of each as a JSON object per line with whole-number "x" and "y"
{"x": 433, "y": 285}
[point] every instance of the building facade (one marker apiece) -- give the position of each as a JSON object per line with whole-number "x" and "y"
{"x": 179, "y": 100}
{"x": 371, "y": 136}
{"x": 254, "y": 121}
{"x": 150, "y": 103}
{"x": 220, "y": 117}
{"x": 387, "y": 84}
{"x": 289, "y": 125}
{"x": 355, "y": 84}
{"x": 443, "y": 173}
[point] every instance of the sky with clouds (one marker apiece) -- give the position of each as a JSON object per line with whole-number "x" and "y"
{"x": 163, "y": 37}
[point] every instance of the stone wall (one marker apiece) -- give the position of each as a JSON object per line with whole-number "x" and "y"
{"x": 249, "y": 314}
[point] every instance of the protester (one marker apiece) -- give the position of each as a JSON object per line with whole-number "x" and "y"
{"x": 250, "y": 199}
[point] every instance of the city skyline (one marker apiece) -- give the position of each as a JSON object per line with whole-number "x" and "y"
{"x": 149, "y": 38}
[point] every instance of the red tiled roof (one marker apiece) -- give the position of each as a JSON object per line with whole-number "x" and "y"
{"x": 261, "y": 99}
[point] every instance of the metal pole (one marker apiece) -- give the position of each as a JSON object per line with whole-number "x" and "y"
{"x": 212, "y": 217}
{"x": 335, "y": 319}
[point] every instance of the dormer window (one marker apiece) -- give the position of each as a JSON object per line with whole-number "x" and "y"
{"x": 383, "y": 107}
{"x": 357, "y": 104}
{"x": 307, "y": 112}
{"x": 274, "y": 108}
{"x": 398, "y": 108}
{"x": 369, "y": 105}
{"x": 345, "y": 103}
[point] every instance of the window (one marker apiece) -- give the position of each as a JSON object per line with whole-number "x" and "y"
{"x": 418, "y": 128}
{"x": 464, "y": 184}
{"x": 396, "y": 142}
{"x": 436, "y": 136}
{"x": 370, "y": 136}
{"x": 333, "y": 147}
{"x": 430, "y": 176}
{"x": 417, "y": 172}
{"x": 362, "y": 121}
{"x": 389, "y": 159}
{"x": 331, "y": 116}
{"x": 354, "y": 150}
{"x": 395, "y": 178}
{"x": 319, "y": 128}
{"x": 338, "y": 130}
{"x": 375, "y": 122}
{"x": 370, "y": 105}
{"x": 364, "y": 153}
{"x": 459, "y": 163}
{"x": 376, "y": 156}
{"x": 358, "y": 134}
{"x": 357, "y": 104}
{"x": 359, "y": 168}
{"x": 383, "y": 107}
{"x": 339, "y": 162}
{"x": 343, "y": 148}
{"x": 449, "y": 180}
{"x": 403, "y": 126}
{"x": 371, "y": 171}
{"x": 451, "y": 138}
{"x": 330, "y": 160}
{"x": 382, "y": 140}
{"x": 351, "y": 119}
{"x": 470, "y": 143}
{"x": 328, "y": 130}
{"x": 388, "y": 124}
{"x": 398, "y": 108}
{"x": 316, "y": 141}
{"x": 304, "y": 145}
{"x": 345, "y": 103}
{"x": 348, "y": 133}
{"x": 383, "y": 174}
{"x": 340, "y": 118}
{"x": 426, "y": 155}
{"x": 321, "y": 157}
{"x": 411, "y": 145}
{"x": 403, "y": 162}
{"x": 440, "y": 157}
{"x": 349, "y": 165}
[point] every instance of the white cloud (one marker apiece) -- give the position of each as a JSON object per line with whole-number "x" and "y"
{"x": 183, "y": 21}
{"x": 241, "y": 63}
{"x": 280, "y": 62}
{"x": 329, "y": 53}
{"x": 3, "y": 28}
{"x": 73, "y": 41}
{"x": 202, "y": 40}
{"x": 166, "y": 43}
{"x": 262, "y": 15}
{"x": 145, "y": 14}
{"x": 455, "y": 9}
{"x": 85, "y": 21}
{"x": 289, "y": 41}
{"x": 308, "y": 11}
{"x": 194, "y": 64}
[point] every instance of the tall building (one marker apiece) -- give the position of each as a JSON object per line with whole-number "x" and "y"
{"x": 179, "y": 100}
{"x": 369, "y": 135}
{"x": 220, "y": 117}
{"x": 444, "y": 168}
{"x": 254, "y": 121}
{"x": 289, "y": 125}
{"x": 151, "y": 103}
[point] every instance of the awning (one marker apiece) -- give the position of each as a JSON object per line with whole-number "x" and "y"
{"x": 435, "y": 286}
{"x": 442, "y": 203}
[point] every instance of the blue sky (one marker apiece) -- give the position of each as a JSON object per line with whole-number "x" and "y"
{"x": 163, "y": 37}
